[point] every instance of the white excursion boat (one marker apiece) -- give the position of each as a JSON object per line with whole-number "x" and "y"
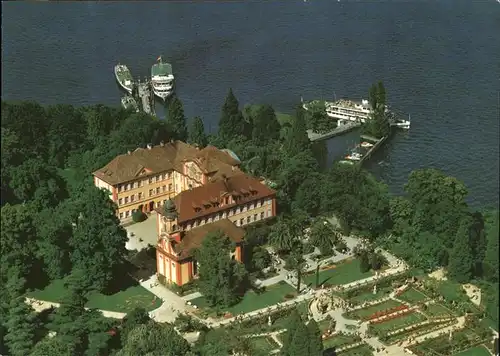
{"x": 345, "y": 111}
{"x": 404, "y": 124}
{"x": 162, "y": 79}
{"x": 365, "y": 144}
{"x": 124, "y": 77}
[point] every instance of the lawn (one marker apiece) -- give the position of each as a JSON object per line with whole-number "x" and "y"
{"x": 436, "y": 310}
{"x": 475, "y": 351}
{"x": 411, "y": 295}
{"x": 263, "y": 344}
{"x": 343, "y": 273}
{"x": 253, "y": 301}
{"x": 368, "y": 296}
{"x": 339, "y": 341}
{"x": 423, "y": 329}
{"x": 367, "y": 312}
{"x": 361, "y": 350}
{"x": 123, "y": 301}
{"x": 398, "y": 323}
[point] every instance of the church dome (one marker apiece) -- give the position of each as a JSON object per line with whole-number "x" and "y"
{"x": 170, "y": 210}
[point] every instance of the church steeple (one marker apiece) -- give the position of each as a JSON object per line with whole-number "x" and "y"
{"x": 170, "y": 210}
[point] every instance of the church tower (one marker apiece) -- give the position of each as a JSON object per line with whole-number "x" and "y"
{"x": 170, "y": 220}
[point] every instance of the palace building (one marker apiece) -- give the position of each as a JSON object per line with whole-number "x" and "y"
{"x": 194, "y": 192}
{"x": 224, "y": 205}
{"x": 146, "y": 178}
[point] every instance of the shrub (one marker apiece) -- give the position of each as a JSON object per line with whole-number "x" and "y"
{"x": 138, "y": 216}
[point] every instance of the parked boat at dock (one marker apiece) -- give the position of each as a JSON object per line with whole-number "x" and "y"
{"x": 162, "y": 79}
{"x": 124, "y": 77}
{"x": 345, "y": 111}
{"x": 128, "y": 102}
{"x": 354, "y": 156}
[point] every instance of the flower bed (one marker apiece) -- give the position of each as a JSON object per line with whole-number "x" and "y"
{"x": 401, "y": 321}
{"x": 396, "y": 315}
{"x": 382, "y": 313}
{"x": 414, "y": 331}
{"x": 462, "y": 340}
{"x": 365, "y": 313}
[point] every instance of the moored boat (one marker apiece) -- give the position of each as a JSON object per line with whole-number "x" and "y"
{"x": 128, "y": 102}
{"x": 162, "y": 79}
{"x": 124, "y": 77}
{"x": 354, "y": 156}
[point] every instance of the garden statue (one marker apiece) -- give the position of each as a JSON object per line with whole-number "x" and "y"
{"x": 269, "y": 321}
{"x": 375, "y": 289}
{"x": 451, "y": 335}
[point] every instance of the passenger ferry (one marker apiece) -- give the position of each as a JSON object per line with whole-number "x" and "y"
{"x": 162, "y": 79}
{"x": 345, "y": 111}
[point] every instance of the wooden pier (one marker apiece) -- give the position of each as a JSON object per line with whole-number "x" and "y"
{"x": 373, "y": 149}
{"x": 339, "y": 130}
{"x": 146, "y": 97}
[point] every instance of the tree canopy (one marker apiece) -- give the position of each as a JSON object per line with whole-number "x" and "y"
{"x": 221, "y": 278}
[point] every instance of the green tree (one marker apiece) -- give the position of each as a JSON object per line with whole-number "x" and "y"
{"x": 378, "y": 125}
{"x": 20, "y": 320}
{"x": 292, "y": 323}
{"x": 176, "y": 118}
{"x": 196, "y": 134}
{"x": 34, "y": 180}
{"x": 461, "y": 261}
{"x": 231, "y": 123}
{"x": 297, "y": 140}
{"x": 52, "y": 346}
{"x": 68, "y": 320}
{"x": 300, "y": 343}
{"x": 138, "y": 316}
{"x": 221, "y": 278}
{"x": 309, "y": 195}
{"x": 265, "y": 124}
{"x": 318, "y": 120}
{"x": 98, "y": 241}
{"x": 54, "y": 230}
{"x": 286, "y": 231}
{"x": 294, "y": 171}
{"x": 323, "y": 236}
{"x": 18, "y": 237}
{"x": 154, "y": 339}
{"x": 491, "y": 260}
{"x": 315, "y": 340}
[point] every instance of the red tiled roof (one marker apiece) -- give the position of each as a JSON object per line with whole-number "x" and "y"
{"x": 167, "y": 157}
{"x": 193, "y": 238}
{"x": 191, "y": 204}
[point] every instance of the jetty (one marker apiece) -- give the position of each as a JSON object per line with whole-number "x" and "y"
{"x": 339, "y": 130}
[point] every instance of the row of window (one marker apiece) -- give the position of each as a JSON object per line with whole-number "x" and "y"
{"x": 238, "y": 222}
{"x": 128, "y": 213}
{"x": 137, "y": 184}
{"x": 139, "y": 196}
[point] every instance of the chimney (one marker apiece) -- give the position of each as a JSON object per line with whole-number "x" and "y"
{"x": 149, "y": 146}
{"x": 162, "y": 144}
{"x": 129, "y": 152}
{"x": 233, "y": 168}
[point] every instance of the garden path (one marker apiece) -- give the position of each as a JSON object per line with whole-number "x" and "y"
{"x": 41, "y": 305}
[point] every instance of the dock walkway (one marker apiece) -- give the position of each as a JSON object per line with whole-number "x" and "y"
{"x": 145, "y": 94}
{"x": 339, "y": 130}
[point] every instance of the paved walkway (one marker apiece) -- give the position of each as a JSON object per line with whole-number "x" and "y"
{"x": 41, "y": 305}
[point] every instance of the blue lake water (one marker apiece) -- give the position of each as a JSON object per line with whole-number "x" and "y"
{"x": 440, "y": 62}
